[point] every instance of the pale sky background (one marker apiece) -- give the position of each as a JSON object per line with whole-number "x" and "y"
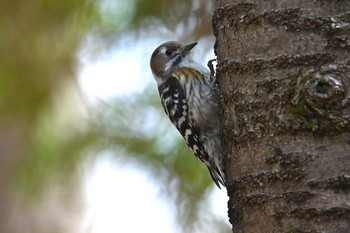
{"x": 118, "y": 195}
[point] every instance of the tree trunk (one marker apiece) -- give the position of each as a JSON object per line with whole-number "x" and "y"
{"x": 284, "y": 71}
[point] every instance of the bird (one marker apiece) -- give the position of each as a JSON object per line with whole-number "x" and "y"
{"x": 190, "y": 97}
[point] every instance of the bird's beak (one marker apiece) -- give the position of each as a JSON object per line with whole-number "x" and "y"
{"x": 188, "y": 48}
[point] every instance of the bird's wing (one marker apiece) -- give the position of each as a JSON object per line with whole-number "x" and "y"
{"x": 175, "y": 105}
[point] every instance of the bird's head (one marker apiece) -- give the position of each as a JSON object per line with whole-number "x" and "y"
{"x": 168, "y": 55}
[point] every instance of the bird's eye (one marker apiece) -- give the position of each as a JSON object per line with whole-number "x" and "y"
{"x": 168, "y": 52}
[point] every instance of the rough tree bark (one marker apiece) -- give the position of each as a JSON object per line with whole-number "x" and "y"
{"x": 284, "y": 72}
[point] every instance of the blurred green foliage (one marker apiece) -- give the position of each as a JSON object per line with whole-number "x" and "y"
{"x": 38, "y": 44}
{"x": 39, "y": 40}
{"x": 191, "y": 17}
{"x": 44, "y": 136}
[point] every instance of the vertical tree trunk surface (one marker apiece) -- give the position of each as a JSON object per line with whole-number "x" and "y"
{"x": 284, "y": 72}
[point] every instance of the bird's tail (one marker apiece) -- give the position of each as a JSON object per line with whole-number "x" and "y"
{"x": 217, "y": 174}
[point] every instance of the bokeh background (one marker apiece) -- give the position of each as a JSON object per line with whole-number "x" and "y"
{"x": 84, "y": 143}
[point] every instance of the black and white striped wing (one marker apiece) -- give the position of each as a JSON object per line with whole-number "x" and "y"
{"x": 173, "y": 99}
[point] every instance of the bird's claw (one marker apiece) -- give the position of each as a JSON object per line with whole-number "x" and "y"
{"x": 212, "y": 70}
